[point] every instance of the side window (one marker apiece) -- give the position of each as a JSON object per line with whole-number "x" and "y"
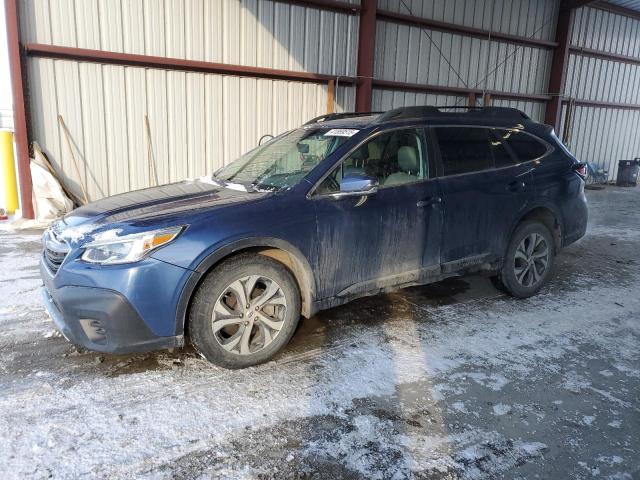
{"x": 464, "y": 149}
{"x": 393, "y": 158}
{"x": 524, "y": 145}
{"x": 502, "y": 157}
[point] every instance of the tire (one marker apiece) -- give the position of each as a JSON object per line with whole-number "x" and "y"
{"x": 525, "y": 275}
{"x": 497, "y": 284}
{"x": 244, "y": 336}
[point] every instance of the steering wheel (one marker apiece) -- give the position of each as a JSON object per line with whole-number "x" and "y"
{"x": 327, "y": 186}
{"x": 268, "y": 135}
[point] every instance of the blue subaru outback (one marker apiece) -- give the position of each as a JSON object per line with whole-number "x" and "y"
{"x": 345, "y": 206}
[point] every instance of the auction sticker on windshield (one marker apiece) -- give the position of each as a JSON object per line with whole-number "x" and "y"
{"x": 341, "y": 132}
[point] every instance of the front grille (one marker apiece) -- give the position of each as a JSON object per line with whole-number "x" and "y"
{"x": 55, "y": 250}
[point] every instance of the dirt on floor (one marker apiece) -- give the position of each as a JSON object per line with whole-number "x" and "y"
{"x": 452, "y": 380}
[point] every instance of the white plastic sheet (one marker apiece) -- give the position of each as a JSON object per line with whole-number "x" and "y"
{"x": 49, "y": 200}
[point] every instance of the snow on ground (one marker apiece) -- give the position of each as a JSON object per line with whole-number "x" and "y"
{"x": 452, "y": 380}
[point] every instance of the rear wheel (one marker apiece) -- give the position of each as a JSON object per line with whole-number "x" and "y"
{"x": 528, "y": 261}
{"x": 244, "y": 312}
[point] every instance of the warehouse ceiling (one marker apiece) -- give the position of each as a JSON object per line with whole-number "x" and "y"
{"x": 631, "y": 4}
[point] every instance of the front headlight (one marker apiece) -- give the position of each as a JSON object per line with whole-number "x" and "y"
{"x": 108, "y": 249}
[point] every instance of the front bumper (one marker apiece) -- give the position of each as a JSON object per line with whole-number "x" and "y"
{"x": 100, "y": 319}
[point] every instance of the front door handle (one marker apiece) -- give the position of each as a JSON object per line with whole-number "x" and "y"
{"x": 429, "y": 202}
{"x": 516, "y": 186}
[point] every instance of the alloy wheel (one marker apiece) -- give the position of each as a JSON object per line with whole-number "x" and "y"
{"x": 531, "y": 260}
{"x": 249, "y": 314}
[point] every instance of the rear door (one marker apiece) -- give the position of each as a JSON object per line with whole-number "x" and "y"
{"x": 484, "y": 189}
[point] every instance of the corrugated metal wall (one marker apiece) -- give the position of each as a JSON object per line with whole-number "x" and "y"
{"x": 200, "y": 121}
{"x": 603, "y": 136}
{"x": 409, "y": 54}
{"x": 259, "y": 33}
{"x": 197, "y": 121}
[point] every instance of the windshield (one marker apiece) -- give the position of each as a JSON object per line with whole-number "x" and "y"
{"x": 282, "y": 162}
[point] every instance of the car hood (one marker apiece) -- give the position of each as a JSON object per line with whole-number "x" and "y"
{"x": 145, "y": 206}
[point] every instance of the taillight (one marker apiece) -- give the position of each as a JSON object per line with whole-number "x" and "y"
{"x": 580, "y": 169}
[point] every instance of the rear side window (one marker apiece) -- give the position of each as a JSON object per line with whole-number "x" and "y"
{"x": 524, "y": 146}
{"x": 501, "y": 155}
{"x": 464, "y": 149}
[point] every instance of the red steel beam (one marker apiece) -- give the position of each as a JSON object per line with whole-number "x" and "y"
{"x": 573, "y": 4}
{"x": 559, "y": 64}
{"x": 166, "y": 63}
{"x": 462, "y": 91}
{"x": 19, "y": 108}
{"x": 334, "y": 5}
{"x": 615, "y": 57}
{"x": 600, "y": 104}
{"x": 403, "y": 19}
{"x": 366, "y": 55}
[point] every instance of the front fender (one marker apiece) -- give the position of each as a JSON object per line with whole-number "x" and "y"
{"x": 300, "y": 266}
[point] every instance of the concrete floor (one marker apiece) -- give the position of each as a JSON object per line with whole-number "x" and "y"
{"x": 452, "y": 380}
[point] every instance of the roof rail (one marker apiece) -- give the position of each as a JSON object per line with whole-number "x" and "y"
{"x": 405, "y": 113}
{"x": 336, "y": 116}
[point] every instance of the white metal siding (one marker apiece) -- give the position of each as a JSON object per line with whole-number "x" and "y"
{"x": 407, "y": 54}
{"x": 606, "y": 31}
{"x": 198, "y": 121}
{"x": 602, "y": 136}
{"x": 387, "y": 99}
{"x": 258, "y": 33}
{"x": 416, "y": 55}
{"x": 535, "y": 110}
{"x": 602, "y": 80}
{"x": 527, "y": 18}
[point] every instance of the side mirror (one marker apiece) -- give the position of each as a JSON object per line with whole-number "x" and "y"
{"x": 354, "y": 184}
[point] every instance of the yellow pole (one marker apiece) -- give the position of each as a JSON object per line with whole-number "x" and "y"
{"x": 8, "y": 171}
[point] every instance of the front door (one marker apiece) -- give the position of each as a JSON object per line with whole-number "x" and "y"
{"x": 386, "y": 238}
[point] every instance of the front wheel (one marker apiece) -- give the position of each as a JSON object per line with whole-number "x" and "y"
{"x": 244, "y": 311}
{"x": 528, "y": 261}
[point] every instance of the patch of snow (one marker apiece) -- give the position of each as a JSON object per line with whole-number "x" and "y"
{"x": 629, "y": 371}
{"x": 588, "y": 420}
{"x": 494, "y": 381}
{"x": 108, "y": 235}
{"x": 501, "y": 409}
{"x": 533, "y": 449}
{"x": 77, "y": 233}
{"x": 615, "y": 424}
{"x": 609, "y": 460}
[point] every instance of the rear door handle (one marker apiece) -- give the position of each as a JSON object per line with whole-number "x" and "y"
{"x": 516, "y": 186}
{"x": 429, "y": 202}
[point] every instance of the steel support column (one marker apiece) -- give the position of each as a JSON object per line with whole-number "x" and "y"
{"x": 19, "y": 108}
{"x": 559, "y": 63}
{"x": 366, "y": 52}
{"x": 560, "y": 60}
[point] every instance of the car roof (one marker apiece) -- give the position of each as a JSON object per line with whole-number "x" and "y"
{"x": 445, "y": 115}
